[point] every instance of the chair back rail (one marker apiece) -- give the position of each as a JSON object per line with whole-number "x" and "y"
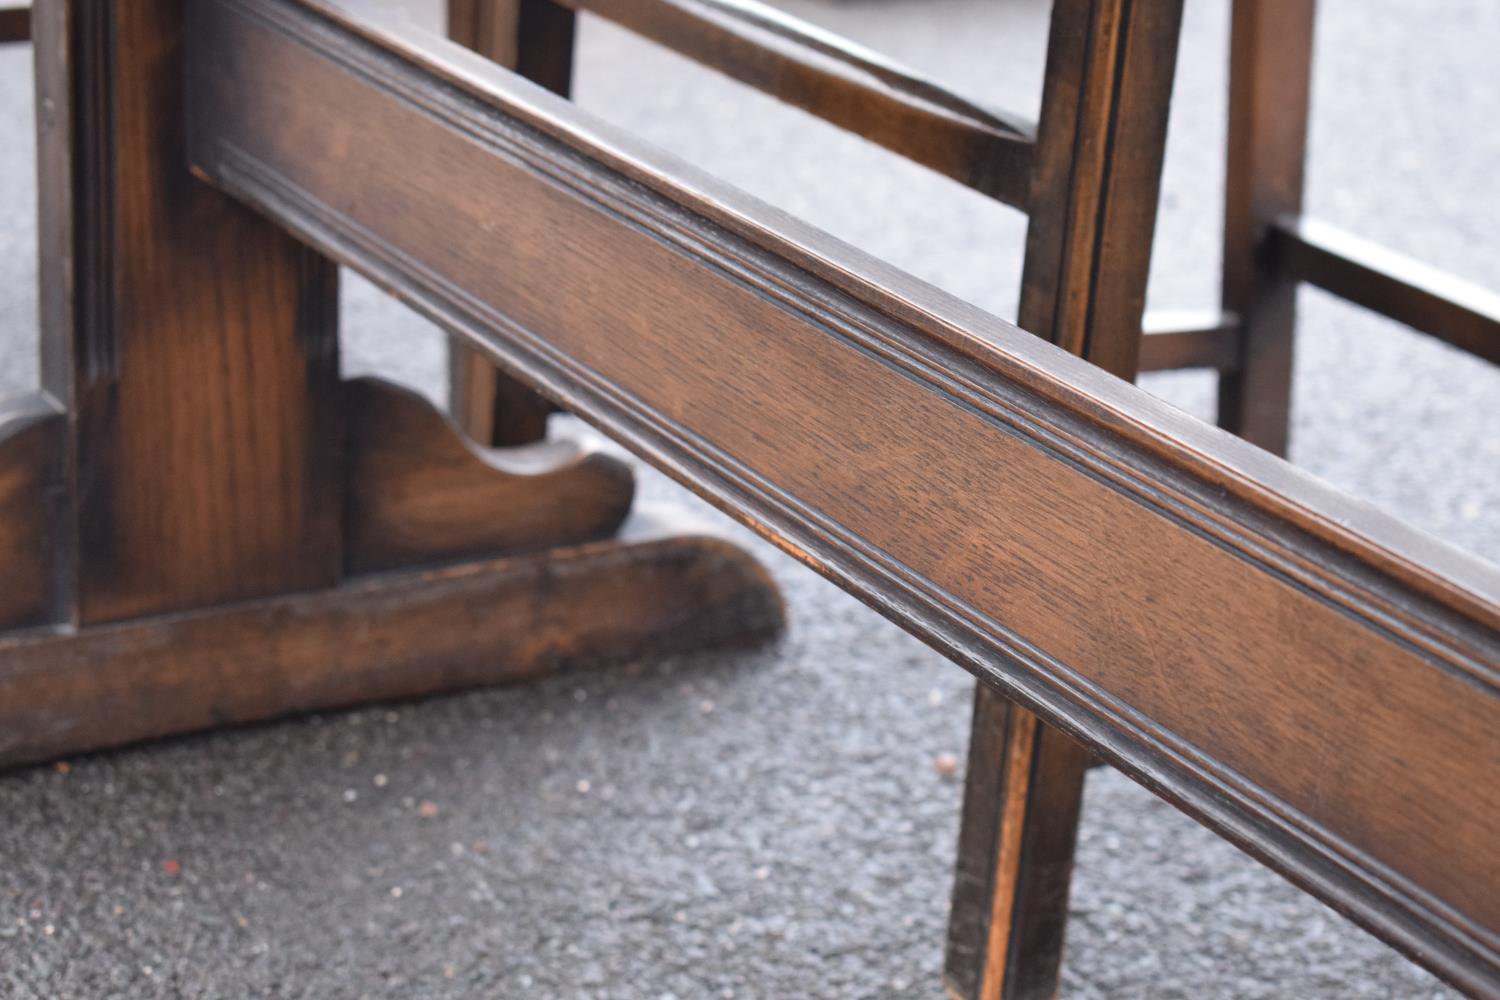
{"x": 842, "y": 83}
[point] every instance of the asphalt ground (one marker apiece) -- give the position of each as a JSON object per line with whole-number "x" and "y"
{"x": 773, "y": 823}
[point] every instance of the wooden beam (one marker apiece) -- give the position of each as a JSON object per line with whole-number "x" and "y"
{"x": 534, "y": 38}
{"x": 1309, "y": 677}
{"x": 1101, "y": 141}
{"x": 1408, "y": 291}
{"x": 1186, "y": 339}
{"x": 1270, "y": 78}
{"x": 381, "y": 638}
{"x": 842, "y": 83}
{"x": 194, "y": 342}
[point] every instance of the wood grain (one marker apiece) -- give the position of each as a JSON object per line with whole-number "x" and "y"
{"x": 419, "y": 492}
{"x": 1312, "y": 679}
{"x": 33, "y": 552}
{"x": 197, "y": 346}
{"x": 1083, "y": 287}
{"x": 394, "y": 636}
{"x": 534, "y": 38}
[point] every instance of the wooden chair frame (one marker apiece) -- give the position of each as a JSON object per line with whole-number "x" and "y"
{"x": 1306, "y": 676}
{"x": 1270, "y": 247}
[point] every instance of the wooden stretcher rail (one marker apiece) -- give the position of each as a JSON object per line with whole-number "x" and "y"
{"x": 842, "y": 83}
{"x": 15, "y": 24}
{"x": 1394, "y": 285}
{"x": 1310, "y": 678}
{"x": 1189, "y": 339}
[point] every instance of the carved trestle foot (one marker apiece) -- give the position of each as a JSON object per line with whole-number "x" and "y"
{"x": 467, "y": 567}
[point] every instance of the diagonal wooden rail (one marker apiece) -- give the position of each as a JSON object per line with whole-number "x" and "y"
{"x": 1308, "y": 677}
{"x": 842, "y": 83}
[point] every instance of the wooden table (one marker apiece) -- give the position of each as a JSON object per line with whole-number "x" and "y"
{"x": 204, "y": 525}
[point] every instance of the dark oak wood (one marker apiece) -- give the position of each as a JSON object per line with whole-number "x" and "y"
{"x": 33, "y": 437}
{"x": 1022, "y": 799}
{"x": 419, "y": 492}
{"x": 1093, "y": 211}
{"x": 842, "y": 83}
{"x": 1172, "y": 340}
{"x": 534, "y": 38}
{"x": 1313, "y": 680}
{"x": 393, "y": 636}
{"x": 1269, "y": 248}
{"x": 15, "y": 24}
{"x": 194, "y": 341}
{"x": 179, "y": 525}
{"x": 1408, "y": 291}
{"x": 1270, "y": 70}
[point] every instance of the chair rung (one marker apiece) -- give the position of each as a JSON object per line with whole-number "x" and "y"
{"x": 838, "y": 81}
{"x": 15, "y": 24}
{"x": 1426, "y": 299}
{"x": 1173, "y": 340}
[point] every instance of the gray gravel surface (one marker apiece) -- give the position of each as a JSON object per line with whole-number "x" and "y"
{"x": 771, "y": 824}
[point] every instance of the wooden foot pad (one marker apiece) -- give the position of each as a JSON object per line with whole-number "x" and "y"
{"x": 397, "y": 635}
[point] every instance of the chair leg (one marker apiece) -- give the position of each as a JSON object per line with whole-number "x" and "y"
{"x": 1100, "y": 146}
{"x": 535, "y": 38}
{"x": 1269, "y": 74}
{"x": 1015, "y": 855}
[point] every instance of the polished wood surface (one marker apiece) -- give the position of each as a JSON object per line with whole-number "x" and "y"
{"x": 197, "y": 346}
{"x": 1022, "y": 798}
{"x": 1083, "y": 287}
{"x": 418, "y": 492}
{"x": 1189, "y": 339}
{"x": 400, "y": 635}
{"x": 1270, "y": 73}
{"x": 842, "y": 83}
{"x": 1313, "y": 680}
{"x": 1270, "y": 246}
{"x": 182, "y": 505}
{"x": 1406, "y": 290}
{"x": 32, "y": 449}
{"x": 534, "y": 38}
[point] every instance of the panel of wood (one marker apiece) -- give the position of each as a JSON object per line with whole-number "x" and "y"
{"x": 1270, "y": 73}
{"x": 420, "y": 492}
{"x": 842, "y": 83}
{"x": 33, "y": 502}
{"x": 1394, "y": 285}
{"x": 195, "y": 341}
{"x": 534, "y": 38}
{"x": 1311, "y": 678}
{"x": 389, "y": 637}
